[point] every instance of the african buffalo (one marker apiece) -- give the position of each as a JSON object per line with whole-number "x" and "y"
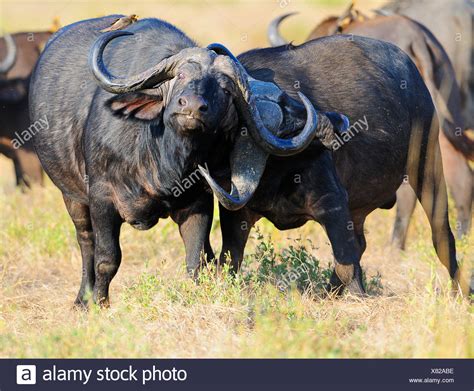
{"x": 438, "y": 74}
{"x": 452, "y": 23}
{"x": 394, "y": 131}
{"x": 22, "y": 51}
{"x": 121, "y": 149}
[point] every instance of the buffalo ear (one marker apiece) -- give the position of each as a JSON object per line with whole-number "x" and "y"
{"x": 144, "y": 105}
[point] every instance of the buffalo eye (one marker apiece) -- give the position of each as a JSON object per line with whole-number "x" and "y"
{"x": 227, "y": 92}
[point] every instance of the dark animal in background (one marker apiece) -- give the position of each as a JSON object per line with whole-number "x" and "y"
{"x": 329, "y": 26}
{"x": 14, "y": 113}
{"x": 117, "y": 147}
{"x": 438, "y": 74}
{"x": 361, "y": 78}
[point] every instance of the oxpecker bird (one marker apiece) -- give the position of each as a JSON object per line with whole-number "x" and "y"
{"x": 121, "y": 23}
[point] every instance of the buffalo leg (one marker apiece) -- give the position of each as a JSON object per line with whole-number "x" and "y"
{"x": 427, "y": 179}
{"x": 329, "y": 207}
{"x": 235, "y": 228}
{"x": 359, "y": 221}
{"x": 20, "y": 179}
{"x": 406, "y": 202}
{"x": 82, "y": 222}
{"x": 195, "y": 225}
{"x": 459, "y": 179}
{"x": 106, "y": 224}
{"x": 347, "y": 244}
{"x": 7, "y": 149}
{"x": 30, "y": 166}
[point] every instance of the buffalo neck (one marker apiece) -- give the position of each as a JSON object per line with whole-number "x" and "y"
{"x": 170, "y": 156}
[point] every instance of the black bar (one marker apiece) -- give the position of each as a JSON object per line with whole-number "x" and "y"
{"x": 242, "y": 374}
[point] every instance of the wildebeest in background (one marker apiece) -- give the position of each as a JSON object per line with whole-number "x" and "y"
{"x": 397, "y": 133}
{"x": 438, "y": 74}
{"x": 15, "y": 126}
{"x": 117, "y": 148}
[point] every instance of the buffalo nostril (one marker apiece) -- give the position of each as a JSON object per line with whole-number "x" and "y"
{"x": 182, "y": 101}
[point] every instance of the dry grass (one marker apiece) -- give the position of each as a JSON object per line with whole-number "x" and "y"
{"x": 156, "y": 311}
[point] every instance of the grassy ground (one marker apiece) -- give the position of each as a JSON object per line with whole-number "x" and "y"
{"x": 157, "y": 311}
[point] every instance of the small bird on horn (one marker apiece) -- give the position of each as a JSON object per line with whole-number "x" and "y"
{"x": 121, "y": 23}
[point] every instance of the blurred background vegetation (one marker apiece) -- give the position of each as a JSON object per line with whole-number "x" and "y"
{"x": 239, "y": 24}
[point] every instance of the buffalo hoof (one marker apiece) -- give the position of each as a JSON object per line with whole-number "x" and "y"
{"x": 356, "y": 288}
{"x": 80, "y": 305}
{"x": 335, "y": 287}
{"x": 398, "y": 244}
{"x": 345, "y": 273}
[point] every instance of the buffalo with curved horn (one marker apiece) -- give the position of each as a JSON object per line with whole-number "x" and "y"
{"x": 127, "y": 148}
{"x": 457, "y": 147}
{"x": 245, "y": 100}
{"x": 394, "y": 132}
{"x": 265, "y": 142}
